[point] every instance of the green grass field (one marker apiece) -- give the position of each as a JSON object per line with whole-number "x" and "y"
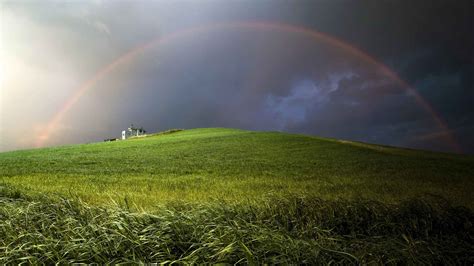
{"x": 227, "y": 195}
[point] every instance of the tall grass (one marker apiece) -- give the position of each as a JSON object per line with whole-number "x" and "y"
{"x": 293, "y": 230}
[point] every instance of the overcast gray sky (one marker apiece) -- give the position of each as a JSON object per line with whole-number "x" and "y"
{"x": 243, "y": 77}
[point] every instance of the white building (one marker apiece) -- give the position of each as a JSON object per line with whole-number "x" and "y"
{"x": 132, "y": 131}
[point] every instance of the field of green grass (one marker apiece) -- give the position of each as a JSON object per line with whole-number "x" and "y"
{"x": 228, "y": 195}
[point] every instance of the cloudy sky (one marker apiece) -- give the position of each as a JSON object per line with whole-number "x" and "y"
{"x": 390, "y": 72}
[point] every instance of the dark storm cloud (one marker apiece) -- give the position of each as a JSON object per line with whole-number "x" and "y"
{"x": 247, "y": 78}
{"x": 427, "y": 42}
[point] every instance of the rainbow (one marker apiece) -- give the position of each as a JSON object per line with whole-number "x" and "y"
{"x": 259, "y": 26}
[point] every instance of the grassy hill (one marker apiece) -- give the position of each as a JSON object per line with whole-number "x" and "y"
{"x": 227, "y": 195}
{"x": 237, "y": 165}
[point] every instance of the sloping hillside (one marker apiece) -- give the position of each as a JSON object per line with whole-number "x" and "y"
{"x": 216, "y": 164}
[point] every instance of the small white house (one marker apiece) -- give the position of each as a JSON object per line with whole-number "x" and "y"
{"x": 132, "y": 131}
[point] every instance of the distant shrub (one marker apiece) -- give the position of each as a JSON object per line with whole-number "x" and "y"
{"x": 169, "y": 131}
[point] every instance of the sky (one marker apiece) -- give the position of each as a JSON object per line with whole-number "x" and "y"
{"x": 396, "y": 73}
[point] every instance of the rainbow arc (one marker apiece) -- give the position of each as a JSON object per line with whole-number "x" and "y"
{"x": 257, "y": 26}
